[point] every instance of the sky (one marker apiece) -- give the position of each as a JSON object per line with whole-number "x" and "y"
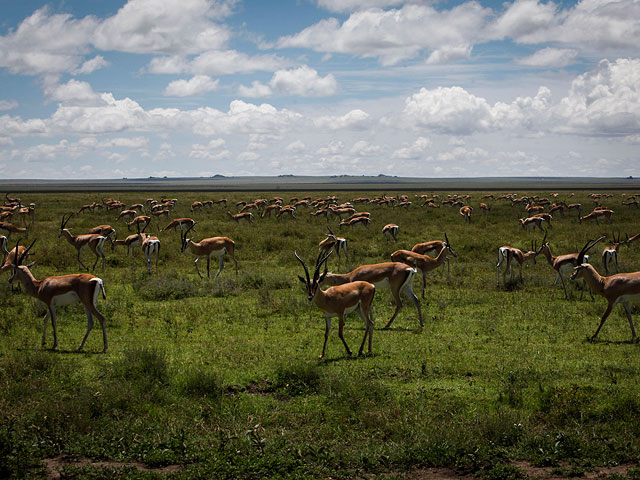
{"x": 196, "y": 88}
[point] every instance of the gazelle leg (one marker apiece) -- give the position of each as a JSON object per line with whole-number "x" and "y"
{"x": 89, "y": 327}
{"x": 397, "y": 301}
{"x": 555, "y": 285}
{"x": 408, "y": 291}
{"x": 80, "y": 261}
{"x": 340, "y": 333}
{"x": 208, "y": 266}
{"x": 367, "y": 318}
{"x": 424, "y": 282}
{"x": 520, "y": 267}
{"x": 604, "y": 317}
{"x": 52, "y": 315}
{"x": 197, "y": 269}
{"x": 221, "y": 265}
{"x": 326, "y": 335}
{"x": 44, "y": 329}
{"x": 627, "y": 308}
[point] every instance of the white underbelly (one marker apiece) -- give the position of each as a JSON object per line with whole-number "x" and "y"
{"x": 382, "y": 283}
{"x": 347, "y": 311}
{"x": 66, "y": 299}
{"x": 632, "y": 298}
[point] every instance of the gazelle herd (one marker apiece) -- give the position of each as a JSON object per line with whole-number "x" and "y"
{"x": 345, "y": 292}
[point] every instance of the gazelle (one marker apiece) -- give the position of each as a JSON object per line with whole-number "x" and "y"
{"x": 9, "y": 257}
{"x": 207, "y": 247}
{"x": 395, "y": 275}
{"x": 485, "y": 208}
{"x": 196, "y": 206}
{"x": 9, "y": 228}
{"x": 132, "y": 241}
{"x": 606, "y": 213}
{"x": 180, "y": 222}
{"x": 274, "y": 207}
{"x": 104, "y": 230}
{"x": 339, "y": 301}
{"x": 247, "y": 216}
{"x": 62, "y": 290}
{"x": 144, "y": 220}
{"x": 287, "y": 210}
{"x": 577, "y": 207}
{"x": 466, "y": 213}
{"x": 532, "y": 223}
{"x": 619, "y": 288}
{"x": 424, "y": 263}
{"x": 610, "y": 255}
{"x": 512, "y": 255}
{"x": 331, "y": 242}
{"x": 390, "y": 231}
{"x": 432, "y": 249}
{"x": 150, "y": 245}
{"x": 562, "y": 264}
{"x": 126, "y": 215}
{"x": 94, "y": 241}
{"x": 355, "y": 221}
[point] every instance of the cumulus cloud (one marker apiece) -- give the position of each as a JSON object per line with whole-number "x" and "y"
{"x": 256, "y": 90}
{"x": 194, "y": 86}
{"x": 92, "y": 65}
{"x": 214, "y": 150}
{"x": 333, "y": 148}
{"x": 362, "y": 148}
{"x": 303, "y": 81}
{"x": 72, "y": 92}
{"x": 296, "y": 147}
{"x": 8, "y": 104}
{"x": 46, "y": 44}
{"x": 416, "y": 150}
{"x": 604, "y": 101}
{"x": 164, "y": 27}
{"x": 353, "y": 120}
{"x": 340, "y": 6}
{"x": 550, "y": 57}
{"x": 397, "y": 34}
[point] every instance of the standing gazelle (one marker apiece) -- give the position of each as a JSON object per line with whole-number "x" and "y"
{"x": 395, "y": 275}
{"x": 62, "y": 290}
{"x": 390, "y": 231}
{"x": 610, "y": 255}
{"x": 94, "y": 241}
{"x": 339, "y": 301}
{"x": 619, "y": 288}
{"x": 424, "y": 263}
{"x": 207, "y": 247}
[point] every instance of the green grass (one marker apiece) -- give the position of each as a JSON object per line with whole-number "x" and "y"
{"x": 222, "y": 377}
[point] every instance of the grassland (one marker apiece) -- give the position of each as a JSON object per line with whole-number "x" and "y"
{"x": 221, "y": 378}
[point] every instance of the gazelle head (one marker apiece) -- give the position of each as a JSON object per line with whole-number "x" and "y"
{"x": 313, "y": 285}
{"x": 184, "y": 240}
{"x": 18, "y": 268}
{"x": 447, "y": 245}
{"x": 533, "y": 253}
{"x": 580, "y": 265}
{"x": 63, "y": 224}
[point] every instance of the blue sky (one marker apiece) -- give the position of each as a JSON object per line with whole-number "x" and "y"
{"x": 141, "y": 88}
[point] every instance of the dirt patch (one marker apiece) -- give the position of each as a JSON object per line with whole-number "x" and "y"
{"x": 551, "y": 473}
{"x": 55, "y": 466}
{"x": 562, "y": 472}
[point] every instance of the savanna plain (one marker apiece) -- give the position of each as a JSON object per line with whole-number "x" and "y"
{"x": 220, "y": 378}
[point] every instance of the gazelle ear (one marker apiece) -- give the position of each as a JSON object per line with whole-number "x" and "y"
{"x": 302, "y": 279}
{"x": 31, "y": 264}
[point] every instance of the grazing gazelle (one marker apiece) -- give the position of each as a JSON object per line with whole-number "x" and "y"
{"x": 62, "y": 290}
{"x": 509, "y": 256}
{"x": 390, "y": 231}
{"x": 339, "y": 301}
{"x": 619, "y": 288}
